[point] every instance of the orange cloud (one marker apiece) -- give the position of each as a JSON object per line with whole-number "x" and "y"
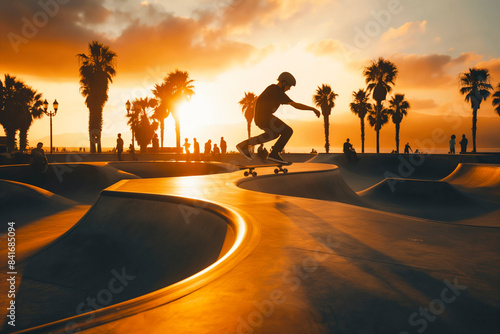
{"x": 422, "y": 104}
{"x": 328, "y": 47}
{"x": 45, "y": 41}
{"x": 430, "y": 71}
{"x": 242, "y": 14}
{"x": 493, "y": 66}
{"x": 406, "y": 31}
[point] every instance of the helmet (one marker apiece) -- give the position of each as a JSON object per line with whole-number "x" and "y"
{"x": 287, "y": 78}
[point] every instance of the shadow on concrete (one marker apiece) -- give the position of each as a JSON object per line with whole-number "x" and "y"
{"x": 126, "y": 246}
{"x": 385, "y": 291}
{"x": 23, "y": 203}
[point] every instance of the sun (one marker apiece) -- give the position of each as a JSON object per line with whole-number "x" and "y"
{"x": 194, "y": 116}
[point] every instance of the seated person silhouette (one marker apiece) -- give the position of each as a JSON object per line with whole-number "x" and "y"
{"x": 349, "y": 151}
{"x": 38, "y": 160}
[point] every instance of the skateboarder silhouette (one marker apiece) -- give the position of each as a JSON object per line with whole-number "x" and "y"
{"x": 267, "y": 104}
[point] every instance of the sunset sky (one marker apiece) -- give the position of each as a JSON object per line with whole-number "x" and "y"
{"x": 230, "y": 47}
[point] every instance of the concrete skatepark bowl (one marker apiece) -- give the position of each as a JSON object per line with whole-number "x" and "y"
{"x": 197, "y": 248}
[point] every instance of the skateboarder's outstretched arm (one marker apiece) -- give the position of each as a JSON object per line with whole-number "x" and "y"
{"x": 301, "y": 106}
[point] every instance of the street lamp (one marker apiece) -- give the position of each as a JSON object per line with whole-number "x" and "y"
{"x": 51, "y": 114}
{"x": 127, "y": 106}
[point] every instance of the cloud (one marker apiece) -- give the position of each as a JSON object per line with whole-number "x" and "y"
{"x": 407, "y": 31}
{"x": 422, "y": 104}
{"x": 328, "y": 47}
{"x": 493, "y": 66}
{"x": 241, "y": 15}
{"x": 430, "y": 71}
{"x": 44, "y": 41}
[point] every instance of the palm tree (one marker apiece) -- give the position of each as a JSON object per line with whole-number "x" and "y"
{"x": 476, "y": 88}
{"x": 96, "y": 72}
{"x": 496, "y": 100}
{"x": 325, "y": 99}
{"x": 140, "y": 123}
{"x": 19, "y": 105}
{"x": 361, "y": 107}
{"x": 377, "y": 119}
{"x": 379, "y": 77}
{"x": 32, "y": 109}
{"x": 10, "y": 115}
{"x": 398, "y": 109}
{"x": 163, "y": 94}
{"x": 247, "y": 104}
{"x": 182, "y": 90}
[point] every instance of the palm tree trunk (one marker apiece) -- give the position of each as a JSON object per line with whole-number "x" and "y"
{"x": 327, "y": 132}
{"x": 379, "y": 111}
{"x": 162, "y": 130}
{"x": 249, "y": 128}
{"x": 23, "y": 139}
{"x": 92, "y": 131}
{"x": 178, "y": 134}
{"x": 99, "y": 141}
{"x": 474, "y": 128}
{"x": 11, "y": 138}
{"x": 362, "y": 135}
{"x": 397, "y": 137}
{"x": 99, "y": 129}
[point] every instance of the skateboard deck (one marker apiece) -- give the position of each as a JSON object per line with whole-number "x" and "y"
{"x": 251, "y": 168}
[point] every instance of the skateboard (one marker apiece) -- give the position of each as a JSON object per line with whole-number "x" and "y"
{"x": 251, "y": 168}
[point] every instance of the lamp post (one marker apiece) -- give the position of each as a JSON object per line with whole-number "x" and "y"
{"x": 51, "y": 114}
{"x": 127, "y": 106}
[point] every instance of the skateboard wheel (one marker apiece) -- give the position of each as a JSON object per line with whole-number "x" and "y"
{"x": 246, "y": 174}
{"x": 285, "y": 170}
{"x": 254, "y": 174}
{"x": 276, "y": 171}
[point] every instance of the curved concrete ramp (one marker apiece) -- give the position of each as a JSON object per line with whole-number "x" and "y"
{"x": 323, "y": 183}
{"x": 437, "y": 200}
{"x": 80, "y": 182}
{"x": 481, "y": 179}
{"x": 126, "y": 246}
{"x": 410, "y": 191}
{"x": 22, "y": 202}
{"x": 171, "y": 168}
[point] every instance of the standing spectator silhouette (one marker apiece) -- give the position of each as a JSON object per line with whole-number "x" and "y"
{"x": 266, "y": 105}
{"x": 408, "y": 148}
{"x": 208, "y": 149}
{"x": 452, "y": 144}
{"x": 156, "y": 143}
{"x": 463, "y": 144}
{"x": 223, "y": 145}
{"x": 119, "y": 146}
{"x": 38, "y": 160}
{"x": 196, "y": 150}
{"x": 187, "y": 145}
{"x": 216, "y": 152}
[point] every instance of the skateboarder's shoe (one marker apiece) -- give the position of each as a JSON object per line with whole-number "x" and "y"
{"x": 275, "y": 157}
{"x": 243, "y": 149}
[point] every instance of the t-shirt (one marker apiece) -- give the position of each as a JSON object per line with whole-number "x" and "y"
{"x": 269, "y": 101}
{"x": 347, "y": 147}
{"x": 119, "y": 144}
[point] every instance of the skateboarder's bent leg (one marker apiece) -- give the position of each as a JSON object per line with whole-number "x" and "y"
{"x": 273, "y": 128}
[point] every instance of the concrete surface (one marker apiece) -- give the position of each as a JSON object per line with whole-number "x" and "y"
{"x": 309, "y": 265}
